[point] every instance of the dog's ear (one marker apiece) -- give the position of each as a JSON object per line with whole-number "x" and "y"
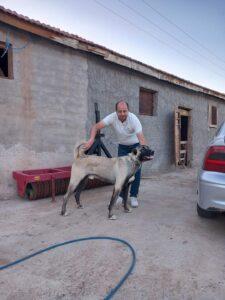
{"x": 134, "y": 151}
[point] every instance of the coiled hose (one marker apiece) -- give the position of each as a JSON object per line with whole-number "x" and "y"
{"x": 112, "y": 291}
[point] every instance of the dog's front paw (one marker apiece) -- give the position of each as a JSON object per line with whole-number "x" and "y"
{"x": 113, "y": 217}
{"x": 63, "y": 214}
{"x": 128, "y": 209}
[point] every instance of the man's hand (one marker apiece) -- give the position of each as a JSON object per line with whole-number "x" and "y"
{"x": 95, "y": 128}
{"x": 88, "y": 144}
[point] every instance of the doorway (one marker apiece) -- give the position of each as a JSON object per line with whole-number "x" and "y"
{"x": 182, "y": 136}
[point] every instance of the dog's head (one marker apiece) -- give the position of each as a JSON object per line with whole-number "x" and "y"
{"x": 143, "y": 153}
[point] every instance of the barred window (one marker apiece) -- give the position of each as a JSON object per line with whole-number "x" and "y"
{"x": 147, "y": 102}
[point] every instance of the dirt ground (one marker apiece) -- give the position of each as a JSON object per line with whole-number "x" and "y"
{"x": 179, "y": 255}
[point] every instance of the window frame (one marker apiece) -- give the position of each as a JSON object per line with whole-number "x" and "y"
{"x": 154, "y": 99}
{"x": 211, "y": 125}
{"x": 10, "y": 61}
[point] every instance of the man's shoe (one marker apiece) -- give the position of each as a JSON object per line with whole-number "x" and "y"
{"x": 134, "y": 201}
{"x": 119, "y": 201}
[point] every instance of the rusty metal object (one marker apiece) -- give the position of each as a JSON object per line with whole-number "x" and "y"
{"x": 39, "y": 190}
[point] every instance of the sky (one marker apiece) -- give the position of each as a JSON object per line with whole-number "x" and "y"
{"x": 185, "y": 38}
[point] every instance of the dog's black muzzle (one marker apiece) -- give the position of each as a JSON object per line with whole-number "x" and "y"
{"x": 146, "y": 153}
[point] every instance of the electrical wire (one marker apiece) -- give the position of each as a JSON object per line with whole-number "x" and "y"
{"x": 171, "y": 35}
{"x": 150, "y": 34}
{"x": 182, "y": 30}
{"x": 8, "y": 45}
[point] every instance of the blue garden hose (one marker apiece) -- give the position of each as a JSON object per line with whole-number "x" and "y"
{"x": 112, "y": 291}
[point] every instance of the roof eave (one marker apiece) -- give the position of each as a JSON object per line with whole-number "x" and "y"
{"x": 75, "y": 42}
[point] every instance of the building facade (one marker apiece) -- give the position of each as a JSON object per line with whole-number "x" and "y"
{"x": 50, "y": 80}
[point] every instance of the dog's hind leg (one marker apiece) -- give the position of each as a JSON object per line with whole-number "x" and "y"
{"x": 71, "y": 189}
{"x": 78, "y": 191}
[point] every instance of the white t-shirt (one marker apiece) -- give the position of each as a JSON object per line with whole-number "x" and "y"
{"x": 126, "y": 132}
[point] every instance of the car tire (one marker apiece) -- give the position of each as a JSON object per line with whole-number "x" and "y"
{"x": 206, "y": 213}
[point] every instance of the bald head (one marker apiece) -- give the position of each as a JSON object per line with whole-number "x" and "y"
{"x": 122, "y": 110}
{"x": 120, "y": 104}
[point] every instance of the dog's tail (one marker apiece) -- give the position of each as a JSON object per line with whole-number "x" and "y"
{"x": 79, "y": 151}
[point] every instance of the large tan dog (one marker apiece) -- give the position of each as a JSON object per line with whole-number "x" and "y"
{"x": 118, "y": 171}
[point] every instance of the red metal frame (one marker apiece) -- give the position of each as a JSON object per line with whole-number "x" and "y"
{"x": 40, "y": 175}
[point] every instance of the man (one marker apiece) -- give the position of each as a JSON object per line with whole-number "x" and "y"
{"x": 129, "y": 134}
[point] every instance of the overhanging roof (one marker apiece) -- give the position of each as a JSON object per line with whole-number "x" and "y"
{"x": 55, "y": 34}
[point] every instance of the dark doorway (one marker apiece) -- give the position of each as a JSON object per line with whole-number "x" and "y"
{"x": 182, "y": 136}
{"x": 184, "y": 128}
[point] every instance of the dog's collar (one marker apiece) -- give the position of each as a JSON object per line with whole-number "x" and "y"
{"x": 136, "y": 162}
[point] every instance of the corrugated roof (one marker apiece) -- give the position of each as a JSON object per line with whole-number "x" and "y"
{"x": 22, "y": 22}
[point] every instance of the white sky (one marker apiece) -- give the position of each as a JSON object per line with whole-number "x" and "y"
{"x": 183, "y": 37}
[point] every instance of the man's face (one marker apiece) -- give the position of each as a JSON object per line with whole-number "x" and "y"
{"x": 122, "y": 111}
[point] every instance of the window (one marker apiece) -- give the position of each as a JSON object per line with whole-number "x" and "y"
{"x": 147, "y": 102}
{"x": 6, "y": 70}
{"x": 212, "y": 116}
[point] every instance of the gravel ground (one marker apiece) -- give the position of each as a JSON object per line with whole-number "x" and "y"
{"x": 179, "y": 255}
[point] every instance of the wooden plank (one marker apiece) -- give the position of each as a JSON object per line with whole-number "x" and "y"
{"x": 183, "y": 112}
{"x": 183, "y": 151}
{"x": 177, "y": 136}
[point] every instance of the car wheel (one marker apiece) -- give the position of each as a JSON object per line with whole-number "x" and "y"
{"x": 206, "y": 213}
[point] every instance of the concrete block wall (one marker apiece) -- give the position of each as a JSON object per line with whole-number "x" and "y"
{"x": 109, "y": 83}
{"x": 43, "y": 109}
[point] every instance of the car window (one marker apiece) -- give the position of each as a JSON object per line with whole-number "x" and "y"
{"x": 221, "y": 129}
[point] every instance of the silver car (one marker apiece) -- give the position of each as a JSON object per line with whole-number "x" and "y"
{"x": 211, "y": 177}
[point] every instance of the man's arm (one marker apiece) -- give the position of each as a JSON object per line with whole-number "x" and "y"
{"x": 94, "y": 130}
{"x": 141, "y": 138}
